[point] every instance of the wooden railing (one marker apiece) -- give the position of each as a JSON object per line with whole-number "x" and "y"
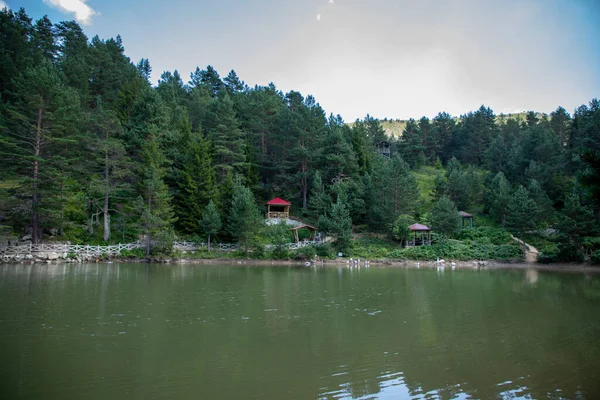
{"x": 116, "y": 249}
{"x": 278, "y": 214}
{"x": 111, "y": 250}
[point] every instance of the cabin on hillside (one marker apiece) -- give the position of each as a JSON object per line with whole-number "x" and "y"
{"x": 278, "y": 208}
{"x": 421, "y": 235}
{"x": 384, "y": 148}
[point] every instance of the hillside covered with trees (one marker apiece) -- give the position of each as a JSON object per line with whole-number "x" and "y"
{"x": 92, "y": 152}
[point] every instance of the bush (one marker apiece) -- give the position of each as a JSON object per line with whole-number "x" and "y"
{"x": 460, "y": 251}
{"x": 305, "y": 253}
{"x": 324, "y": 250}
{"x": 135, "y": 253}
{"x": 595, "y": 258}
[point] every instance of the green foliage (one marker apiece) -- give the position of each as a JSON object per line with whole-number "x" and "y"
{"x": 211, "y": 221}
{"x": 401, "y": 229}
{"x": 444, "y": 217}
{"x": 460, "y": 251}
{"x": 338, "y": 224}
{"x": 595, "y": 258}
{"x": 278, "y": 236}
{"x": 117, "y": 158}
{"x": 135, "y": 253}
{"x": 244, "y": 221}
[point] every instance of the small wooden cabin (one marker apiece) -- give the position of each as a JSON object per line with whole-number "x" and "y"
{"x": 384, "y": 148}
{"x": 278, "y": 208}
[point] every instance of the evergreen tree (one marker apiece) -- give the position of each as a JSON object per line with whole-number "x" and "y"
{"x": 211, "y": 221}
{"x": 498, "y": 197}
{"x": 197, "y": 184}
{"x": 319, "y": 199}
{"x": 521, "y": 213}
{"x": 338, "y": 223}
{"x": 227, "y": 138}
{"x": 445, "y": 217}
{"x": 154, "y": 204}
{"x": 244, "y": 218}
{"x": 41, "y": 124}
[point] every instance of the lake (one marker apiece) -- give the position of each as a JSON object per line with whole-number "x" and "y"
{"x": 125, "y": 331}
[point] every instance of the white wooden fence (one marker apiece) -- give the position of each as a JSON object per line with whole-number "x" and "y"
{"x": 116, "y": 249}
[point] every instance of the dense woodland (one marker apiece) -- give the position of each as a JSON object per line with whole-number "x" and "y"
{"x": 92, "y": 152}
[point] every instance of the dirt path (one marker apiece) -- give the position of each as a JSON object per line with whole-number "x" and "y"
{"x": 531, "y": 253}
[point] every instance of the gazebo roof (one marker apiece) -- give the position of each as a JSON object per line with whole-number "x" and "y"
{"x": 419, "y": 227}
{"x": 307, "y": 226}
{"x": 278, "y": 201}
{"x": 465, "y": 214}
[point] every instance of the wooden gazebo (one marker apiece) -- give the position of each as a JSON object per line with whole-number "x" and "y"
{"x": 466, "y": 217}
{"x": 278, "y": 208}
{"x": 422, "y": 235}
{"x": 310, "y": 228}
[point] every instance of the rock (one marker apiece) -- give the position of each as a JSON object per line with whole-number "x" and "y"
{"x": 26, "y": 238}
{"x": 65, "y": 255}
{"x": 28, "y": 257}
{"x": 52, "y": 256}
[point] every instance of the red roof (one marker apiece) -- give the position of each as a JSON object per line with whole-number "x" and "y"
{"x": 278, "y": 201}
{"x": 419, "y": 227}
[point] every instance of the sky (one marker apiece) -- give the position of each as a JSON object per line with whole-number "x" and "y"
{"x": 388, "y": 58}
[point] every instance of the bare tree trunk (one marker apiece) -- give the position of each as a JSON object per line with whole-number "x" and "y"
{"x": 106, "y": 197}
{"x": 208, "y": 242}
{"x": 35, "y": 197}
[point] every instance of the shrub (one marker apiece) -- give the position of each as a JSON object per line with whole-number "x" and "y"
{"x": 595, "y": 258}
{"x": 305, "y": 253}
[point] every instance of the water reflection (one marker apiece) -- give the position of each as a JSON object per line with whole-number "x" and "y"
{"x": 98, "y": 331}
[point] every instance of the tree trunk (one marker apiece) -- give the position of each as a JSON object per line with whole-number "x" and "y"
{"x": 208, "y": 242}
{"x": 148, "y": 229}
{"x": 106, "y": 198}
{"x": 35, "y": 197}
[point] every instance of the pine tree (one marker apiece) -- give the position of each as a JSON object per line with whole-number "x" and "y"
{"x": 338, "y": 223}
{"x": 111, "y": 166}
{"x": 445, "y": 217}
{"x": 211, "y": 221}
{"x": 244, "y": 218}
{"x": 196, "y": 183}
{"x": 521, "y": 213}
{"x": 498, "y": 197}
{"x": 154, "y": 204}
{"x": 227, "y": 138}
{"x": 37, "y": 141}
{"x": 319, "y": 199}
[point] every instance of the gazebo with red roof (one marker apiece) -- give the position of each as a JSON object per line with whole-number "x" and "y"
{"x": 278, "y": 208}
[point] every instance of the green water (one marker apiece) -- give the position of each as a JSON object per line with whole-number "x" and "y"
{"x": 203, "y": 332}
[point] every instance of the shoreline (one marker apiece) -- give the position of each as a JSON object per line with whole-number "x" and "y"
{"x": 382, "y": 263}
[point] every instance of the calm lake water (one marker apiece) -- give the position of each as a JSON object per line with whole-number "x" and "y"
{"x": 222, "y": 332}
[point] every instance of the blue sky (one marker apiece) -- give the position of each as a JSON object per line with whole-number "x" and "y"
{"x": 388, "y": 58}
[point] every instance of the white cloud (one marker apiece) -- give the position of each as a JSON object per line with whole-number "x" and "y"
{"x": 3, "y": 5}
{"x": 83, "y": 12}
{"x": 331, "y": 2}
{"x": 318, "y": 17}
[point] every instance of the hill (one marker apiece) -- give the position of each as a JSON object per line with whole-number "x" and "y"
{"x": 395, "y": 127}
